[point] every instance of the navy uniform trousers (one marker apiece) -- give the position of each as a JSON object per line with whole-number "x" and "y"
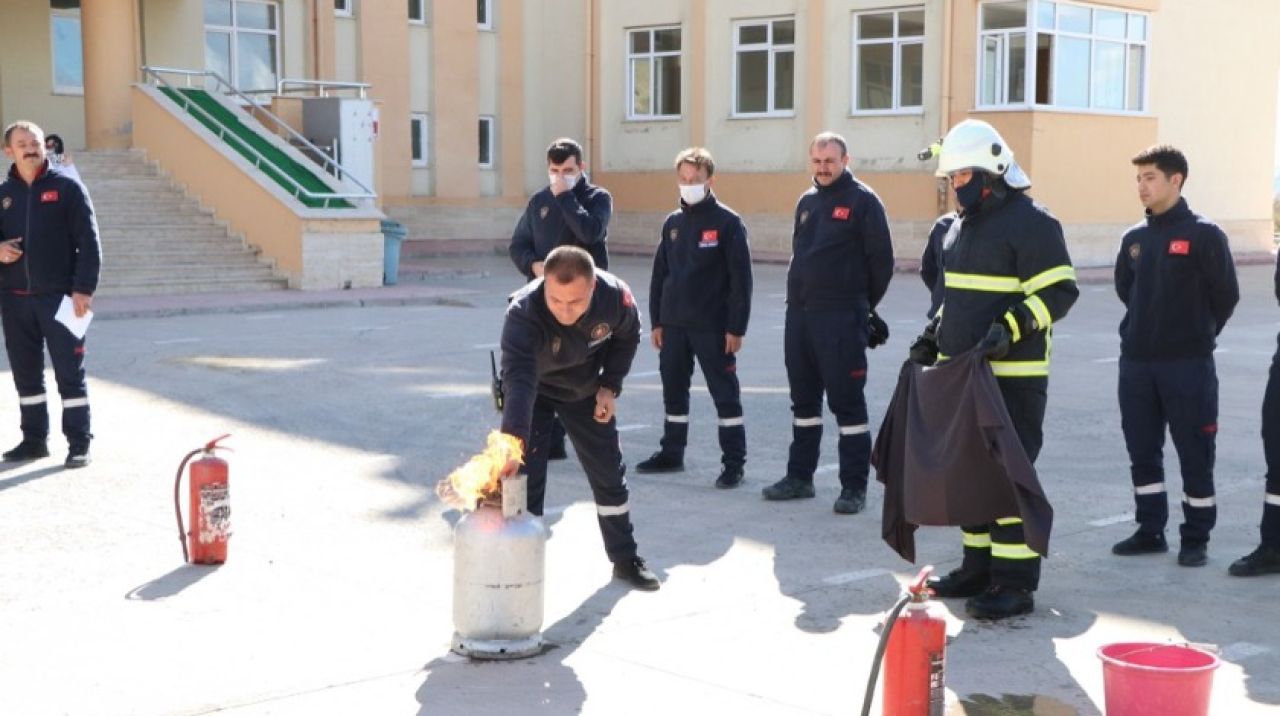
{"x": 601, "y": 456}
{"x": 827, "y": 351}
{"x": 1000, "y": 548}
{"x": 1182, "y": 394}
{"x": 679, "y": 349}
{"x": 28, "y": 326}
{"x": 1271, "y": 449}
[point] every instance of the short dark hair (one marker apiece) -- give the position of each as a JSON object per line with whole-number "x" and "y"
{"x": 568, "y": 263}
{"x": 58, "y": 146}
{"x": 25, "y": 125}
{"x": 1167, "y": 158}
{"x": 825, "y": 138}
{"x": 699, "y": 157}
{"x": 563, "y": 148}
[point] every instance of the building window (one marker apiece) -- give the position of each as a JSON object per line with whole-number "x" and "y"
{"x": 764, "y": 54}
{"x": 342, "y": 8}
{"x": 1083, "y": 56}
{"x": 418, "y": 139}
{"x": 653, "y": 73}
{"x": 418, "y": 11}
{"x": 242, "y": 42}
{"x": 68, "y": 55}
{"x": 484, "y": 14}
{"x": 486, "y": 141}
{"x": 888, "y": 60}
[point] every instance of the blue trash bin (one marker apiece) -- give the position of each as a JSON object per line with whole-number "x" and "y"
{"x": 393, "y": 235}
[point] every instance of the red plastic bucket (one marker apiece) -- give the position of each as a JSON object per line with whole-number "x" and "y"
{"x": 1145, "y": 679}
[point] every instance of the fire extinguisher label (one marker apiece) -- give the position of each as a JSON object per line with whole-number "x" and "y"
{"x": 937, "y": 683}
{"x": 215, "y": 513}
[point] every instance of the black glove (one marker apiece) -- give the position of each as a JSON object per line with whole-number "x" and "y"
{"x": 924, "y": 349}
{"x": 877, "y": 331}
{"x": 996, "y": 343}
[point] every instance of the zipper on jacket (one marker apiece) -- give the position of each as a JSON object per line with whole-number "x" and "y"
{"x": 26, "y": 237}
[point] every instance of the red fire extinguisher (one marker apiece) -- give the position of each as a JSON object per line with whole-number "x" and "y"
{"x": 210, "y": 506}
{"x": 915, "y": 657}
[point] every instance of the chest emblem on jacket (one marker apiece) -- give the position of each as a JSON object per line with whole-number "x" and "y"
{"x": 1179, "y": 247}
{"x": 555, "y": 345}
{"x": 6, "y": 203}
{"x": 545, "y": 210}
{"x": 710, "y": 239}
{"x": 840, "y": 213}
{"x": 48, "y": 197}
{"x": 1135, "y": 250}
{"x": 804, "y": 216}
{"x": 599, "y": 334}
{"x": 673, "y": 234}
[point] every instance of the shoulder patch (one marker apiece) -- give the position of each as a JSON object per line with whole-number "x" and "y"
{"x": 5, "y": 203}
{"x": 543, "y": 213}
{"x": 673, "y": 234}
{"x": 804, "y": 216}
{"x": 627, "y": 299}
{"x": 1135, "y": 250}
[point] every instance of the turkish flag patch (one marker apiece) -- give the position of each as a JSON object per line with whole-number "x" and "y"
{"x": 1179, "y": 247}
{"x": 710, "y": 237}
{"x": 841, "y": 213}
{"x": 627, "y": 299}
{"x": 49, "y": 197}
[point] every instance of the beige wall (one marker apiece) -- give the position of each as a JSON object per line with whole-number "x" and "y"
{"x": 554, "y": 75}
{"x": 384, "y": 45}
{"x": 421, "y": 183}
{"x": 488, "y": 103}
{"x": 173, "y": 33}
{"x": 346, "y": 49}
{"x": 26, "y": 74}
{"x": 456, "y": 99}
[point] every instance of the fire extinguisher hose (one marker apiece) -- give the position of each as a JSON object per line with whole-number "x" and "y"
{"x": 177, "y": 503}
{"x": 884, "y": 642}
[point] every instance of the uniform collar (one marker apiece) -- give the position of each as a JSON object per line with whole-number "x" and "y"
{"x": 15, "y": 175}
{"x": 1177, "y": 212}
{"x": 843, "y": 181}
{"x": 701, "y": 207}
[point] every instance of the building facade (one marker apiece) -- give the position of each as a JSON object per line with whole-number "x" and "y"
{"x": 470, "y": 94}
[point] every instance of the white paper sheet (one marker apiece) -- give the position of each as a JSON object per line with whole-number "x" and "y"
{"x": 66, "y": 315}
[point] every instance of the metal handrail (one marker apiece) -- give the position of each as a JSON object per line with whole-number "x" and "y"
{"x": 322, "y": 86}
{"x": 298, "y": 190}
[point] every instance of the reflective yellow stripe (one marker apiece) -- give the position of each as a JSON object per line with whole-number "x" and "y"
{"x": 982, "y": 282}
{"x": 1006, "y": 521}
{"x": 982, "y": 541}
{"x": 1048, "y": 278}
{"x": 1013, "y": 326}
{"x": 1019, "y": 368}
{"x": 1012, "y": 551}
{"x": 1040, "y": 311}
{"x": 943, "y": 356}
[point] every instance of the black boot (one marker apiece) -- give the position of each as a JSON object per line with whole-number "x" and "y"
{"x": 730, "y": 477}
{"x": 637, "y": 573}
{"x": 1000, "y": 602}
{"x": 27, "y": 450}
{"x": 851, "y": 501}
{"x": 661, "y": 462}
{"x": 960, "y": 583}
{"x": 1193, "y": 555}
{"x": 788, "y": 488}
{"x": 1141, "y": 543}
{"x": 1263, "y": 560}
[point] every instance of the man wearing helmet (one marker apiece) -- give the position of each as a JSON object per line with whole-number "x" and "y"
{"x": 1007, "y": 280}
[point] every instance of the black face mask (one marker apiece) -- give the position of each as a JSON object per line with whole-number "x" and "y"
{"x": 970, "y": 195}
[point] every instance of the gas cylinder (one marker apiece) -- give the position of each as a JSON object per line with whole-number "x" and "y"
{"x": 210, "y": 506}
{"x": 915, "y": 658}
{"x": 499, "y": 563}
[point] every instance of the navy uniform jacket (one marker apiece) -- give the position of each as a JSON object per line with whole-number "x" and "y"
{"x": 702, "y": 270}
{"x": 578, "y": 217}
{"x": 1007, "y": 263}
{"x": 54, "y": 217}
{"x": 931, "y": 261}
{"x": 1177, "y": 280}
{"x": 565, "y": 363}
{"x": 841, "y": 253}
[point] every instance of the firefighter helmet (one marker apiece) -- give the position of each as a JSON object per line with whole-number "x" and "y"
{"x": 974, "y": 144}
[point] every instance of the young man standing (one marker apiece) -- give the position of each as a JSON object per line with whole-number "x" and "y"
{"x": 699, "y": 303}
{"x": 1176, "y": 278}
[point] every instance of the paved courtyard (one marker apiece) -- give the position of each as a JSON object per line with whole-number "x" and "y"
{"x": 336, "y": 597}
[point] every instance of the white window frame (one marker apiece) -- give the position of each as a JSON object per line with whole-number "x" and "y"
{"x": 422, "y": 133}
{"x": 771, "y": 80}
{"x": 487, "y": 119}
{"x": 346, "y": 9}
{"x": 1031, "y": 32}
{"x": 652, "y": 55}
{"x": 898, "y": 41}
{"x": 53, "y": 65}
{"x": 235, "y": 31}
{"x": 487, "y": 24}
{"x": 421, "y": 6}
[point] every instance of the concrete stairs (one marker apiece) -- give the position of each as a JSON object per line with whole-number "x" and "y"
{"x": 157, "y": 240}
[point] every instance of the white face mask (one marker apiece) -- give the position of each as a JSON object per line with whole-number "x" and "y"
{"x": 693, "y": 193}
{"x": 569, "y": 179}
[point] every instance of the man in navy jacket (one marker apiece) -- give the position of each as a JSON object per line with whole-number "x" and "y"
{"x": 1176, "y": 278}
{"x": 49, "y": 253}
{"x": 699, "y": 303}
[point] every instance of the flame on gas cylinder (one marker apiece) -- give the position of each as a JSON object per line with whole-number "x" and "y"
{"x": 480, "y": 478}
